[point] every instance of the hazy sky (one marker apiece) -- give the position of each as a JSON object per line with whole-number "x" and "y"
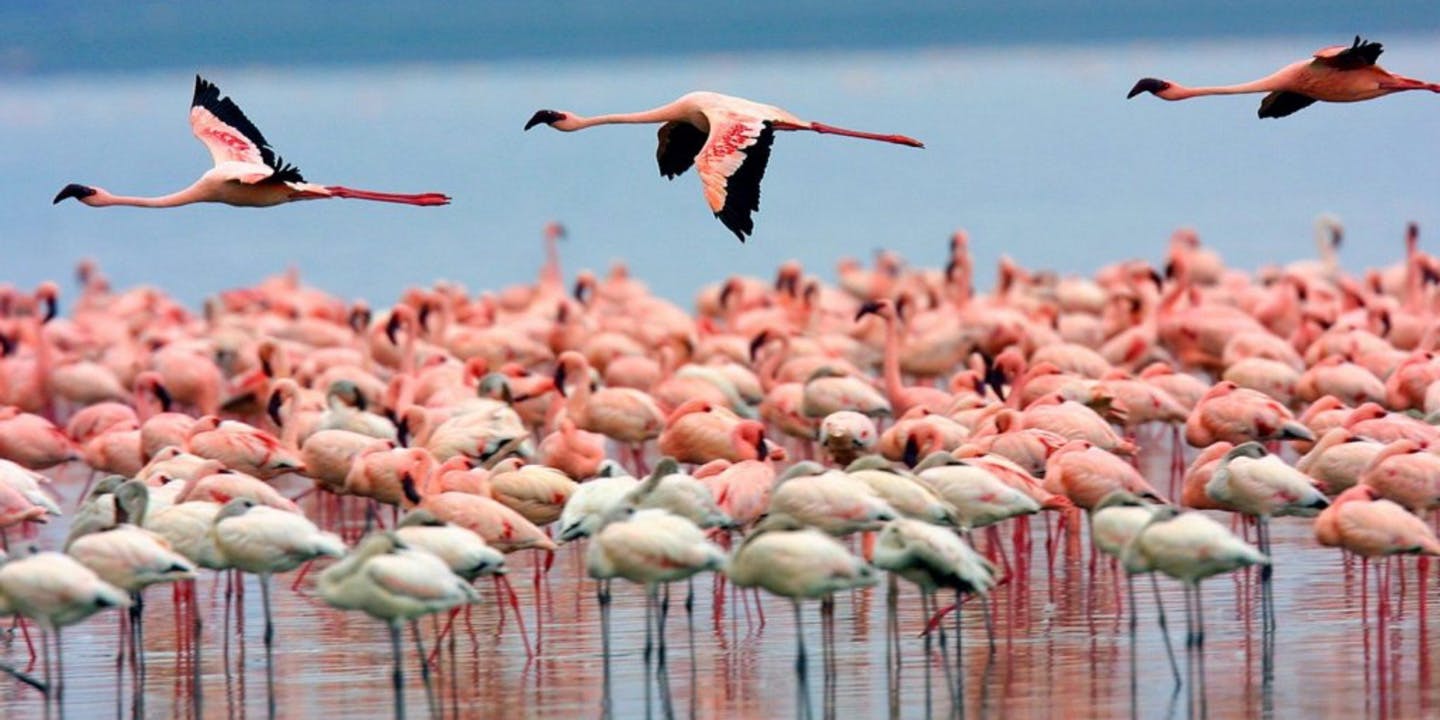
{"x": 111, "y": 35}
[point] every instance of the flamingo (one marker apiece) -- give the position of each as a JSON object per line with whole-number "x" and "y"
{"x": 247, "y": 172}
{"x": 1334, "y": 74}
{"x": 587, "y": 507}
{"x": 650, "y": 547}
{"x": 1189, "y": 547}
{"x": 726, "y": 138}
{"x": 387, "y": 580}
{"x": 262, "y": 540}
{"x": 933, "y": 558}
{"x": 788, "y": 559}
{"x": 55, "y": 590}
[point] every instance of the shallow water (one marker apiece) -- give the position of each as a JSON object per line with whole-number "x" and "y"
{"x": 1062, "y": 649}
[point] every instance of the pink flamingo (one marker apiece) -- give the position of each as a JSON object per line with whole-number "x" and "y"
{"x": 1235, "y": 414}
{"x": 1335, "y": 74}
{"x": 697, "y": 432}
{"x": 902, "y": 397}
{"x": 726, "y": 138}
{"x": 502, "y": 528}
{"x": 247, "y": 172}
{"x": 622, "y": 414}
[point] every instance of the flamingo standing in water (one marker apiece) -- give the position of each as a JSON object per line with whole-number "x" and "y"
{"x": 1335, "y": 74}
{"x": 247, "y": 172}
{"x": 726, "y": 138}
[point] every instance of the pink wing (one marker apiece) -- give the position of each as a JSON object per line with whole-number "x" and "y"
{"x": 731, "y": 165}
{"x": 231, "y": 137}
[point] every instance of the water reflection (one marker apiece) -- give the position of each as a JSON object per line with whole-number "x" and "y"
{"x": 1066, "y": 643}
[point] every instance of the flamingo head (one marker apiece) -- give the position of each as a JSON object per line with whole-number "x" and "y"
{"x": 553, "y": 118}
{"x": 77, "y": 191}
{"x": 1154, "y": 86}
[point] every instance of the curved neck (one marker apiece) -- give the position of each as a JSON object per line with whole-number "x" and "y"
{"x": 894, "y": 387}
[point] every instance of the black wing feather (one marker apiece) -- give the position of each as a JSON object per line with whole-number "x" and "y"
{"x": 1362, "y": 54}
{"x": 742, "y": 189}
{"x": 225, "y": 109}
{"x": 680, "y": 142}
{"x": 1279, "y": 104}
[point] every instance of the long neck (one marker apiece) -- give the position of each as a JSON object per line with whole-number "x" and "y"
{"x": 102, "y": 198}
{"x": 891, "y": 364}
{"x": 1180, "y": 92}
{"x": 664, "y": 113}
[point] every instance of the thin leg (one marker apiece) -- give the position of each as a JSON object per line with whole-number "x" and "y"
{"x": 269, "y": 645}
{"x": 424, "y": 667}
{"x": 397, "y": 676}
{"x": 602, "y": 597}
{"x": 59, "y": 676}
{"x": 959, "y": 660}
{"x": 1164, "y": 628}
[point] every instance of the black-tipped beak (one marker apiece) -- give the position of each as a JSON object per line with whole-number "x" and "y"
{"x": 866, "y": 309}
{"x": 402, "y": 432}
{"x": 560, "y": 379}
{"x": 912, "y": 452}
{"x": 272, "y": 408}
{"x": 1150, "y": 85}
{"x": 163, "y": 396}
{"x": 391, "y": 326}
{"x": 73, "y": 191}
{"x": 762, "y": 448}
{"x": 51, "y": 310}
{"x": 758, "y": 343}
{"x": 544, "y": 116}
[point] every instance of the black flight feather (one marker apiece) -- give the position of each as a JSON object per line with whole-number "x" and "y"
{"x": 680, "y": 142}
{"x": 742, "y": 189}
{"x": 225, "y": 110}
{"x": 1279, "y": 104}
{"x": 1361, "y": 54}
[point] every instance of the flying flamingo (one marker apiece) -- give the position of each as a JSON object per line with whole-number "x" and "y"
{"x": 247, "y": 172}
{"x": 1334, "y": 74}
{"x": 726, "y": 138}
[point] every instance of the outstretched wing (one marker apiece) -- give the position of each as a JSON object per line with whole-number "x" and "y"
{"x": 231, "y": 137}
{"x": 1362, "y": 53}
{"x": 680, "y": 142}
{"x": 1279, "y": 104}
{"x": 731, "y": 166}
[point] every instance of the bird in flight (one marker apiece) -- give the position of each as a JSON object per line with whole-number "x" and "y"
{"x": 247, "y": 172}
{"x": 1335, "y": 74}
{"x": 726, "y": 138}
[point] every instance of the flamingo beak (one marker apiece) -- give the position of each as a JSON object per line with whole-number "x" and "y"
{"x": 1150, "y": 85}
{"x": 548, "y": 117}
{"x": 73, "y": 190}
{"x": 272, "y": 408}
{"x": 866, "y": 309}
{"x": 559, "y": 379}
{"x": 391, "y": 327}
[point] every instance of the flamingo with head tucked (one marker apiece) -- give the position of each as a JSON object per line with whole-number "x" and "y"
{"x": 247, "y": 172}
{"x": 726, "y": 138}
{"x": 1335, "y": 74}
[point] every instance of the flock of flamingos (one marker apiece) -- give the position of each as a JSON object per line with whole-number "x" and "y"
{"x": 749, "y": 438}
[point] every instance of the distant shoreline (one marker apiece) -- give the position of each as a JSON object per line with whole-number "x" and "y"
{"x": 104, "y": 37}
